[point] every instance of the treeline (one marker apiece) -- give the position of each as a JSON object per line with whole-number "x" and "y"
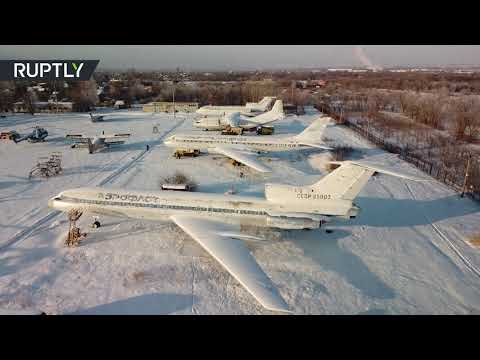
{"x": 452, "y": 83}
{"x": 458, "y": 115}
{"x": 434, "y": 131}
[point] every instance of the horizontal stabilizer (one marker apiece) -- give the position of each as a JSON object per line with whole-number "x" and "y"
{"x": 379, "y": 169}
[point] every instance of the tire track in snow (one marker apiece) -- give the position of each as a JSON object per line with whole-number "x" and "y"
{"x": 54, "y": 213}
{"x": 445, "y": 238}
{"x": 31, "y": 213}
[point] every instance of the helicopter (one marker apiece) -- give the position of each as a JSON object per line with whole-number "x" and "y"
{"x": 37, "y": 135}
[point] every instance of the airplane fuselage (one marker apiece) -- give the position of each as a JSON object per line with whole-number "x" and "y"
{"x": 160, "y": 205}
{"x": 220, "y": 111}
{"x": 209, "y": 142}
{"x": 219, "y": 123}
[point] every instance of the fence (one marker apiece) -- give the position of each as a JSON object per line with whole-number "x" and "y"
{"x": 448, "y": 176}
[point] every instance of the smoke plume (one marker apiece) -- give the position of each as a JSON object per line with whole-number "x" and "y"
{"x": 362, "y": 56}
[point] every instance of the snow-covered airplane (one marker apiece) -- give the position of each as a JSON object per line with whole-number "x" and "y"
{"x": 97, "y": 118}
{"x": 214, "y": 220}
{"x": 244, "y": 149}
{"x": 98, "y": 142}
{"x": 236, "y": 119}
{"x": 250, "y": 109}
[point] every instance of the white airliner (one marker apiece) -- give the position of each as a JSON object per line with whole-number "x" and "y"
{"x": 97, "y": 143}
{"x": 244, "y": 149}
{"x": 214, "y": 220}
{"x": 250, "y": 109}
{"x": 236, "y": 119}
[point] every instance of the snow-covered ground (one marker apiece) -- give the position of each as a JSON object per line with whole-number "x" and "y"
{"x": 407, "y": 252}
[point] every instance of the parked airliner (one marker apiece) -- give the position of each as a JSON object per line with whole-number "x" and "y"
{"x": 244, "y": 149}
{"x": 97, "y": 143}
{"x": 214, "y": 220}
{"x": 236, "y": 119}
{"x": 250, "y": 109}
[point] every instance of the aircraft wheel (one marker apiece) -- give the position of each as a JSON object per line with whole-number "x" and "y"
{"x": 96, "y": 224}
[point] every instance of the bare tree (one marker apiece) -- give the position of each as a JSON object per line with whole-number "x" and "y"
{"x": 84, "y": 95}
{"x": 29, "y": 100}
{"x": 466, "y": 118}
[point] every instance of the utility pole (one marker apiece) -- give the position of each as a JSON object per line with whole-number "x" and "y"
{"x": 174, "y": 112}
{"x": 293, "y": 87}
{"x": 467, "y": 170}
{"x": 175, "y": 81}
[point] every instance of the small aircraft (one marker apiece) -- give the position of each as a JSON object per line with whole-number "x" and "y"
{"x": 97, "y": 118}
{"x": 37, "y": 135}
{"x": 250, "y": 109}
{"x": 215, "y": 220}
{"x": 96, "y": 143}
{"x": 244, "y": 149}
{"x": 237, "y": 120}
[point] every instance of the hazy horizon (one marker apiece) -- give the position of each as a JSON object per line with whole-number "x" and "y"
{"x": 251, "y": 57}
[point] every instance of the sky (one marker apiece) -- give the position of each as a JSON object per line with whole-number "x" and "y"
{"x": 249, "y": 57}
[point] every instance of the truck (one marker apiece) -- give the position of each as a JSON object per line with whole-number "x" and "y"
{"x": 265, "y": 130}
{"x": 182, "y": 153}
{"x": 232, "y": 131}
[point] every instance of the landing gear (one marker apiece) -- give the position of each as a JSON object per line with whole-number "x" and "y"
{"x": 235, "y": 163}
{"x": 323, "y": 222}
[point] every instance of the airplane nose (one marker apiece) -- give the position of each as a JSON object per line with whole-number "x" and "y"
{"x": 50, "y": 203}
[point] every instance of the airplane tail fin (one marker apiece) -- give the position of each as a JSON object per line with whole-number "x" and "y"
{"x": 273, "y": 115}
{"x": 350, "y": 177}
{"x": 343, "y": 183}
{"x": 265, "y": 102}
{"x": 312, "y": 135}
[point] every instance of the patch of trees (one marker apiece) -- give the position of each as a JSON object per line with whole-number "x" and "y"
{"x": 6, "y": 96}
{"x": 83, "y": 95}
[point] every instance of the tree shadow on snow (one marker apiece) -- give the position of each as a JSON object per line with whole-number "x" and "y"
{"x": 149, "y": 304}
{"x": 326, "y": 250}
{"x": 20, "y": 259}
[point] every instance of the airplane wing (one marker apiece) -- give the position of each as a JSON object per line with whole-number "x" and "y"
{"x": 317, "y": 146}
{"x": 228, "y": 249}
{"x": 243, "y": 156}
{"x": 115, "y": 138}
{"x": 77, "y": 138}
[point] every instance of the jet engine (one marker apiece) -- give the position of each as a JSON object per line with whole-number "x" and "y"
{"x": 208, "y": 122}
